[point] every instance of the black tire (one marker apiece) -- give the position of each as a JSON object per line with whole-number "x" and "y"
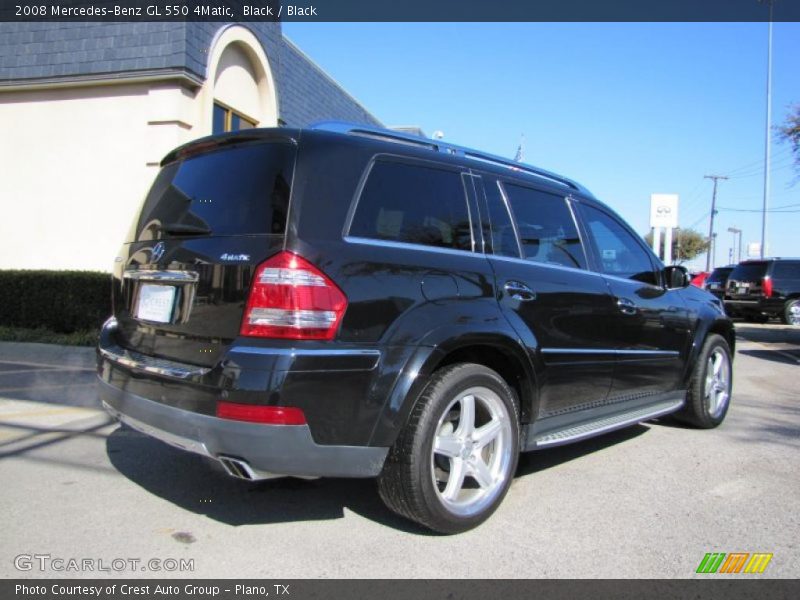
{"x": 791, "y": 313}
{"x": 412, "y": 483}
{"x": 702, "y": 409}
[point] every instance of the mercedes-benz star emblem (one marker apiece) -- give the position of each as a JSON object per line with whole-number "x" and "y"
{"x": 158, "y": 251}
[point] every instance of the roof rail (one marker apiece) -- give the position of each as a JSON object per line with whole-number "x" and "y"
{"x": 439, "y": 146}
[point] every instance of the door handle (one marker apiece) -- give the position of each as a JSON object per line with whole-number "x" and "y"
{"x": 627, "y": 307}
{"x": 519, "y": 291}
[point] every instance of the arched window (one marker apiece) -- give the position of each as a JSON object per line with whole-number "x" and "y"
{"x": 240, "y": 90}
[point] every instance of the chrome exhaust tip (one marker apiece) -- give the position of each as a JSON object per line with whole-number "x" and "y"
{"x": 237, "y": 468}
{"x": 241, "y": 469}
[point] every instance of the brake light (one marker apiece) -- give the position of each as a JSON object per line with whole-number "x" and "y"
{"x": 766, "y": 287}
{"x": 290, "y": 298}
{"x": 254, "y": 413}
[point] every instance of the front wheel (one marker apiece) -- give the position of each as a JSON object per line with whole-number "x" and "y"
{"x": 709, "y": 393}
{"x": 791, "y": 313}
{"x": 454, "y": 461}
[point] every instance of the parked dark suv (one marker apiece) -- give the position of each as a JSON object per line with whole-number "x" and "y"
{"x": 759, "y": 289}
{"x": 715, "y": 282}
{"x": 353, "y": 302}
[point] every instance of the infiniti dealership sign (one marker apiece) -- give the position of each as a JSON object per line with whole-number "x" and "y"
{"x": 664, "y": 210}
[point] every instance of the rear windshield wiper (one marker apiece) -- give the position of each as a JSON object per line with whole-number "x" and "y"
{"x": 184, "y": 229}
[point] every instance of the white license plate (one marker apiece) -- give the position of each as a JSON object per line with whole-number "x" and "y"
{"x": 156, "y": 303}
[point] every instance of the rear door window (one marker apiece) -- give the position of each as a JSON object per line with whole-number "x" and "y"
{"x": 415, "y": 204}
{"x": 233, "y": 191}
{"x": 546, "y": 228}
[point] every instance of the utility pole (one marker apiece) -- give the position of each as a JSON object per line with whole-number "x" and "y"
{"x": 713, "y": 212}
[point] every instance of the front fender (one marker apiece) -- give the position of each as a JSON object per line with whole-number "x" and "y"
{"x": 708, "y": 316}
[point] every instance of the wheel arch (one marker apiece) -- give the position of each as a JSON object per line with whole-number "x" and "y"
{"x": 500, "y": 352}
{"x": 723, "y": 327}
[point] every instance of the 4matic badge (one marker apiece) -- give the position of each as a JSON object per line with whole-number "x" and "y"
{"x": 235, "y": 257}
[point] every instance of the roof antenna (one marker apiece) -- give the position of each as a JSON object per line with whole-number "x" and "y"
{"x": 520, "y": 155}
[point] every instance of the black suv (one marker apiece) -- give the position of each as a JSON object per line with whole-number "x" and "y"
{"x": 715, "y": 282}
{"x": 352, "y": 302}
{"x": 759, "y": 289}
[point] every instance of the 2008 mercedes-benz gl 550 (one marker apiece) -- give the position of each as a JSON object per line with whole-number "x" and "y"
{"x": 351, "y": 302}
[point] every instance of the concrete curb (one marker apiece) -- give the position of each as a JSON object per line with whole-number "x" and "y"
{"x": 48, "y": 354}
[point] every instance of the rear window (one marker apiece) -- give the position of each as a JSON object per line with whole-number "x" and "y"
{"x": 786, "y": 270}
{"x": 235, "y": 191}
{"x": 749, "y": 272}
{"x": 718, "y": 275}
{"x": 413, "y": 204}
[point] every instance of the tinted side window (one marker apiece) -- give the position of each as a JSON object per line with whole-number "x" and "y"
{"x": 414, "y": 204}
{"x": 619, "y": 253}
{"x": 786, "y": 270}
{"x": 503, "y": 236}
{"x": 546, "y": 229}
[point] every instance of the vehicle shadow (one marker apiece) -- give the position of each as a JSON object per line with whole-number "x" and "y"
{"x": 201, "y": 486}
{"x": 781, "y": 356}
{"x": 541, "y": 460}
{"x": 772, "y": 333}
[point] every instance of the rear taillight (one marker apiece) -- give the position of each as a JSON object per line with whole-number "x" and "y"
{"x": 766, "y": 287}
{"x": 290, "y": 298}
{"x": 253, "y": 413}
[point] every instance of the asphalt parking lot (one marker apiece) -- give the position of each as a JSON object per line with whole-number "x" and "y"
{"x": 648, "y": 501}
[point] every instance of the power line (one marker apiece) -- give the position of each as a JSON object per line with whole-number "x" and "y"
{"x": 757, "y": 163}
{"x": 774, "y": 168}
{"x": 757, "y": 210}
{"x": 696, "y": 223}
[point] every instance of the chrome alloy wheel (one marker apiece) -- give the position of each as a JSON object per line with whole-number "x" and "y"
{"x": 718, "y": 382}
{"x": 794, "y": 314}
{"x": 472, "y": 452}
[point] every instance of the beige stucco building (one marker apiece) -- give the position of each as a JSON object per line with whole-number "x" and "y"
{"x": 83, "y": 130}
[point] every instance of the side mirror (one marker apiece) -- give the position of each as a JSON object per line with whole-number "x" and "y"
{"x": 676, "y": 276}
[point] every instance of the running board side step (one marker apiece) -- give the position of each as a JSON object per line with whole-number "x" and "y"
{"x": 589, "y": 429}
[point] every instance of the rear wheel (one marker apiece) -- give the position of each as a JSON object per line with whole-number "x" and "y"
{"x": 709, "y": 394}
{"x": 791, "y": 313}
{"x": 453, "y": 463}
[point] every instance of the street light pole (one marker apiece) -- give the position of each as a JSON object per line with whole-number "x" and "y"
{"x": 736, "y": 231}
{"x": 767, "y": 134}
{"x": 739, "y": 258}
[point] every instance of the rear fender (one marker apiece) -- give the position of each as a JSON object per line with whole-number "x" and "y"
{"x": 437, "y": 349}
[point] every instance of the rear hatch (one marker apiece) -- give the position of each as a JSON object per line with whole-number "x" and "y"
{"x": 746, "y": 282}
{"x": 215, "y": 211}
{"x": 718, "y": 278}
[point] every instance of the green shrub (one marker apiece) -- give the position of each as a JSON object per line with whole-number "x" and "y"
{"x": 60, "y": 301}
{"x": 45, "y": 336}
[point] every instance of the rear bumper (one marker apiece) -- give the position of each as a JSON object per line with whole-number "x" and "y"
{"x": 770, "y": 306}
{"x": 266, "y": 450}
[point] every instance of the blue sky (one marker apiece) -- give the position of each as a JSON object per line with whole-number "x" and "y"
{"x": 626, "y": 109}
